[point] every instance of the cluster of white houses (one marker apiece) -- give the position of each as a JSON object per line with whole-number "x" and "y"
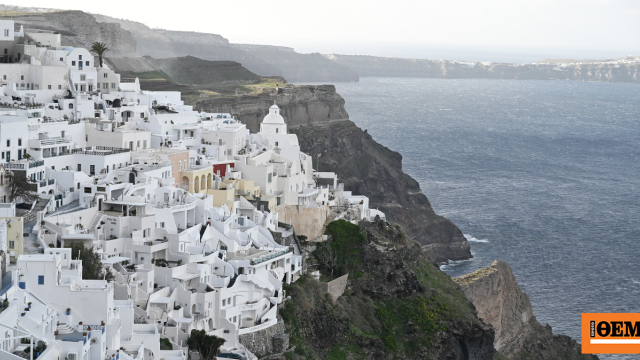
{"x": 189, "y": 211}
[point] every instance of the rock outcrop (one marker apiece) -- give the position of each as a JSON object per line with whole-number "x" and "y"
{"x": 317, "y": 115}
{"x": 500, "y": 302}
{"x": 398, "y": 305}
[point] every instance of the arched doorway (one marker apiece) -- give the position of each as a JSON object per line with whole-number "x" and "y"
{"x": 185, "y": 183}
{"x": 203, "y": 183}
{"x": 196, "y": 185}
{"x": 132, "y": 178}
{"x": 210, "y": 324}
{"x": 209, "y": 179}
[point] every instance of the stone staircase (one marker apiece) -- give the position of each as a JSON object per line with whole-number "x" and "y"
{"x": 92, "y": 227}
{"x": 64, "y": 328}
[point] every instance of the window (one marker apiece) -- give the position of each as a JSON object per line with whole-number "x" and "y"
{"x": 144, "y": 144}
{"x": 59, "y": 87}
{"x": 87, "y": 190}
{"x": 92, "y": 169}
{"x": 21, "y": 77}
{"x": 162, "y": 225}
{"x": 12, "y": 244}
{"x": 6, "y": 33}
{"x": 105, "y": 85}
{"x": 3, "y": 155}
{"x": 83, "y": 77}
{"x": 19, "y": 141}
{"x": 131, "y": 145}
{"x": 276, "y": 130}
{"x": 104, "y": 75}
{"x": 79, "y": 168}
{"x": 138, "y": 144}
{"x": 141, "y": 115}
{"x": 276, "y": 143}
{"x": 71, "y": 105}
{"x": 113, "y": 85}
{"x": 49, "y": 87}
{"x": 73, "y": 63}
{"x": 61, "y": 59}
{"x": 4, "y": 77}
{"x": 79, "y": 57}
{"x": 40, "y": 279}
{"x": 8, "y": 142}
{"x": 224, "y": 302}
{"x": 86, "y": 63}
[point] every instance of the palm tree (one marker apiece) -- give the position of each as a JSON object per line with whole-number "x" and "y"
{"x": 99, "y": 49}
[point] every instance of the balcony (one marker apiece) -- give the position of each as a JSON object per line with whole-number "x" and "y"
{"x": 270, "y": 256}
{"x": 49, "y": 142}
{"x": 21, "y": 165}
{"x": 54, "y": 154}
{"x": 100, "y": 150}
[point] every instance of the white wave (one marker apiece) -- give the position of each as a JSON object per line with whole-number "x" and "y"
{"x": 473, "y": 239}
{"x": 454, "y": 264}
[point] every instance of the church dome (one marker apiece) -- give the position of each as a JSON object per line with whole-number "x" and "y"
{"x": 274, "y": 116}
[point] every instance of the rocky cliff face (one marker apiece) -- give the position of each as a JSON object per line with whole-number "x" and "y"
{"x": 500, "y": 302}
{"x": 398, "y": 305}
{"x": 317, "y": 115}
{"x": 81, "y": 30}
{"x": 260, "y": 59}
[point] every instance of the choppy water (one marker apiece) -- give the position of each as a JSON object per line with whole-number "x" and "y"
{"x": 541, "y": 174}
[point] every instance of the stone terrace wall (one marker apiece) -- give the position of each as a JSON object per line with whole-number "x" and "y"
{"x": 260, "y": 342}
{"x": 336, "y": 287}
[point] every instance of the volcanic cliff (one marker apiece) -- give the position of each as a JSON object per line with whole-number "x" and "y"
{"x": 500, "y": 302}
{"x": 317, "y": 115}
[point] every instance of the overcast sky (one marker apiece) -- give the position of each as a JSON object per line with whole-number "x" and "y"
{"x": 539, "y": 28}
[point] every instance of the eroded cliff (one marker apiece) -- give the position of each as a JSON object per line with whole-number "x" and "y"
{"x": 500, "y": 302}
{"x": 80, "y": 29}
{"x": 398, "y": 305}
{"x": 317, "y": 115}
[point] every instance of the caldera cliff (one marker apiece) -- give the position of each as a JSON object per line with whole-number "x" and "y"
{"x": 500, "y": 302}
{"x": 316, "y": 114}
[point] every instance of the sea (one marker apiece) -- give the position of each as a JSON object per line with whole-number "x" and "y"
{"x": 544, "y": 175}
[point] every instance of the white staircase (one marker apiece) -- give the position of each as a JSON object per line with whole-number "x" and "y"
{"x": 64, "y": 328}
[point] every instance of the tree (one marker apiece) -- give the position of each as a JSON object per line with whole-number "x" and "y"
{"x": 342, "y": 253}
{"x": 92, "y": 268}
{"x": 207, "y": 345}
{"x": 327, "y": 256}
{"x": 19, "y": 188}
{"x": 99, "y": 49}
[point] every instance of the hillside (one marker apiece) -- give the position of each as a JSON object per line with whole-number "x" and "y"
{"x": 398, "y": 304}
{"x": 194, "y": 71}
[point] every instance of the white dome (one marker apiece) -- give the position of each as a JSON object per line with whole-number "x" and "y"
{"x": 274, "y": 116}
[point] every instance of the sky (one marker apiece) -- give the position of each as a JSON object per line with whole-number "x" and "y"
{"x": 495, "y": 30}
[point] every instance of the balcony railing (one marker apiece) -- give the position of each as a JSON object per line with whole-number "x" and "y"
{"x": 270, "y": 256}
{"x": 100, "y": 150}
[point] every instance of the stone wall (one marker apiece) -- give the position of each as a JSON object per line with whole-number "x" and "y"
{"x": 261, "y": 342}
{"x": 306, "y": 221}
{"x": 336, "y": 287}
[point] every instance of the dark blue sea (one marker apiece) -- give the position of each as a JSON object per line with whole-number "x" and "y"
{"x": 542, "y": 174}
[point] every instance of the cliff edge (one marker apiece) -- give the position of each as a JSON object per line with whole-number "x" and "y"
{"x": 316, "y": 114}
{"x": 501, "y": 303}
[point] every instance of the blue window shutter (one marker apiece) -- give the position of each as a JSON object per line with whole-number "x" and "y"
{"x": 40, "y": 279}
